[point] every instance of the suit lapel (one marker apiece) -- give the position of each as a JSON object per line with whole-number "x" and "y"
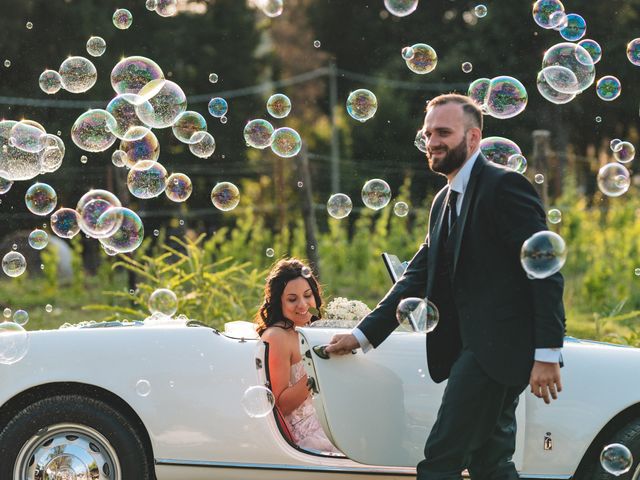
{"x": 464, "y": 209}
{"x": 435, "y": 229}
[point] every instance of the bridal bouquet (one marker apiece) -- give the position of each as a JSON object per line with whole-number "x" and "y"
{"x": 342, "y": 313}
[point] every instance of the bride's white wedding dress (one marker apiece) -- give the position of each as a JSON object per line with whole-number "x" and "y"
{"x": 303, "y": 423}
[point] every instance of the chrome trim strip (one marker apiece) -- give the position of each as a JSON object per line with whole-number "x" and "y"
{"x": 545, "y": 477}
{"x": 409, "y": 472}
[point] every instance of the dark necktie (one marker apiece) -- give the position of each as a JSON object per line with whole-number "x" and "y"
{"x": 453, "y": 210}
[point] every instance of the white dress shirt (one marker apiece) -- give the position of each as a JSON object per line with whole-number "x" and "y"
{"x": 459, "y": 185}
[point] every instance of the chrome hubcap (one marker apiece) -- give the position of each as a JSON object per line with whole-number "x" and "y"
{"x": 67, "y": 452}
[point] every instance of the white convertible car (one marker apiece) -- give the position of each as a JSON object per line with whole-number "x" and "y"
{"x": 137, "y": 402}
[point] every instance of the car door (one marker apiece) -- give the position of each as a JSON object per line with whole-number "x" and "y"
{"x": 379, "y": 407}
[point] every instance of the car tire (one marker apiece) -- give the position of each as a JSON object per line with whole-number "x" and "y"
{"x": 629, "y": 435}
{"x": 72, "y": 436}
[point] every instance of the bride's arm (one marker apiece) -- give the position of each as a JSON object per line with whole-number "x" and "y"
{"x": 287, "y": 398}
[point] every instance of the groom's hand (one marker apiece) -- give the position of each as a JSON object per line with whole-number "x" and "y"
{"x": 545, "y": 380}
{"x": 342, "y": 343}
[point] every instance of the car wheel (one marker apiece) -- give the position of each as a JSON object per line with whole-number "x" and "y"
{"x": 629, "y": 435}
{"x": 72, "y": 436}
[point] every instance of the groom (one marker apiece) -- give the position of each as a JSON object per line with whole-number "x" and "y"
{"x": 498, "y": 329}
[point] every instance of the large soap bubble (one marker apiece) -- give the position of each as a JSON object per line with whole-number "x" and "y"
{"x": 14, "y": 343}
{"x": 593, "y": 47}
{"x": 50, "y": 82}
{"x": 506, "y": 97}
{"x": 362, "y": 104}
{"x": 123, "y": 110}
{"x": 544, "y": 10}
{"x": 624, "y": 152}
{"x": 166, "y": 8}
{"x": 561, "y": 79}
{"x": 225, "y": 196}
{"x": 122, "y": 18}
{"x": 633, "y": 51}
{"x": 401, "y": 8}
{"x": 550, "y": 93}
{"x": 339, "y": 205}
{"x": 608, "y": 88}
{"x": 96, "y": 46}
{"x": 163, "y": 301}
{"x": 132, "y": 73}
{"x": 499, "y": 149}
{"x": 575, "y": 28}
{"x": 187, "y": 124}
{"x": 53, "y": 153}
{"x": 38, "y": 239}
{"x": 218, "y": 107}
{"x": 286, "y": 142}
{"x": 41, "y": 199}
{"x": 145, "y": 148}
{"x": 478, "y": 90}
{"x": 576, "y": 59}
{"x": 424, "y": 60}
{"x": 257, "y": 401}
{"x": 179, "y": 187}
{"x": 5, "y": 185}
{"x": 91, "y": 206}
{"x": 65, "y": 222}
{"x": 147, "y": 179}
{"x": 616, "y": 459}
{"x": 163, "y": 107}
{"x": 78, "y": 74}
{"x": 376, "y": 194}
{"x": 203, "y": 144}
{"x": 16, "y": 164}
{"x": 279, "y": 105}
{"x": 258, "y": 133}
{"x": 14, "y": 264}
{"x": 28, "y": 136}
{"x": 543, "y": 254}
{"x": 91, "y": 131}
{"x": 127, "y": 236}
{"x": 614, "y": 179}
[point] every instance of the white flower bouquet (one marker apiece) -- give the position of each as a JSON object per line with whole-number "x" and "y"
{"x": 342, "y": 313}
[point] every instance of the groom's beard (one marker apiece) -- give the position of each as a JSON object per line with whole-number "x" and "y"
{"x": 452, "y": 160}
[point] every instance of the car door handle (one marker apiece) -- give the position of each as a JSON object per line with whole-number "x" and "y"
{"x": 321, "y": 351}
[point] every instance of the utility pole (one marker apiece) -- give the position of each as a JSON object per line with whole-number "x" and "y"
{"x": 335, "y": 139}
{"x": 308, "y": 212}
{"x": 541, "y": 160}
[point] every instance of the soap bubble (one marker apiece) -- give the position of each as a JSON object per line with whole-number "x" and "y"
{"x": 258, "y": 133}
{"x": 53, "y": 153}
{"x": 554, "y": 216}
{"x": 122, "y": 18}
{"x": 543, "y": 254}
{"x": 225, "y": 196}
{"x": 91, "y": 206}
{"x": 550, "y": 93}
{"x": 50, "y": 82}
{"x": 77, "y": 74}
{"x": 543, "y": 11}
{"x": 278, "y": 105}
{"x": 407, "y": 53}
{"x": 163, "y": 301}
{"x": 213, "y": 77}
{"x": 614, "y": 143}
{"x": 90, "y": 131}
{"x": 467, "y": 67}
{"x": 179, "y": 187}
{"x": 424, "y": 59}
{"x": 145, "y": 148}
{"x": 5, "y": 185}
{"x": 16, "y": 164}
{"x": 420, "y": 141}
{"x": 41, "y": 199}
{"x": 517, "y": 162}
{"x": 257, "y": 401}
{"x": 48, "y": 308}
{"x": 478, "y": 90}
{"x": 218, "y": 107}
{"x": 28, "y": 136}
{"x": 575, "y": 29}
{"x": 613, "y": 179}
{"x": 147, "y": 179}
{"x": 421, "y": 315}
{"x": 339, "y": 205}
{"x": 286, "y": 142}
{"x": 271, "y": 8}
{"x": 14, "y": 264}
{"x": 362, "y": 104}
{"x": 166, "y": 8}
{"x": 594, "y": 49}
{"x": 204, "y": 146}
{"x": 14, "y": 343}
{"x": 38, "y": 239}
{"x": 7, "y": 63}
{"x": 127, "y": 236}
{"x": 21, "y": 317}
{"x": 616, "y": 459}
{"x": 132, "y": 73}
{"x": 151, "y": 5}
{"x": 7, "y": 313}
{"x": 269, "y": 252}
{"x": 123, "y": 110}
{"x": 401, "y": 8}
{"x": 29, "y": 25}
{"x": 574, "y": 58}
{"x": 624, "y": 152}
{"x": 561, "y": 79}
{"x": 480, "y": 11}
{"x": 187, "y": 124}
{"x": 376, "y": 194}
{"x": 96, "y": 46}
{"x": 143, "y": 387}
{"x": 633, "y": 51}
{"x": 401, "y": 209}
{"x": 65, "y": 223}
{"x": 506, "y": 97}
{"x": 163, "y": 107}
{"x": 316, "y": 43}
{"x": 608, "y": 88}
{"x": 538, "y": 178}
{"x": 499, "y": 149}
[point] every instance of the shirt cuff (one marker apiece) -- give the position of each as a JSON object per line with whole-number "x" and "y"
{"x": 549, "y": 355}
{"x": 364, "y": 342}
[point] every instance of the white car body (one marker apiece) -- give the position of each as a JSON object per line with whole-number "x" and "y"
{"x": 376, "y": 407}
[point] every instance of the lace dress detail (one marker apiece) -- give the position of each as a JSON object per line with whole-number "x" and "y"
{"x": 303, "y": 422}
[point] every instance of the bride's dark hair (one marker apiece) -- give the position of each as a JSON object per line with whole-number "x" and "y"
{"x": 283, "y": 272}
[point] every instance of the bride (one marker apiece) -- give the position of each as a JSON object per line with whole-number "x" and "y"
{"x": 290, "y": 290}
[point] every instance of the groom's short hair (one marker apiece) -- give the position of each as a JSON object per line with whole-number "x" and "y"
{"x": 471, "y": 109}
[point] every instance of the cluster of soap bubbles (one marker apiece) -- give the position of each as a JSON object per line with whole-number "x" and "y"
{"x": 27, "y": 150}
{"x": 284, "y": 142}
{"x": 500, "y": 97}
{"x": 75, "y": 74}
{"x": 418, "y": 313}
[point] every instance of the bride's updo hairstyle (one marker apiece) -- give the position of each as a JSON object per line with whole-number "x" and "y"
{"x": 283, "y": 272}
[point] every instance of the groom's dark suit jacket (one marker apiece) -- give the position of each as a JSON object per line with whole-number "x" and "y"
{"x": 502, "y": 315}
